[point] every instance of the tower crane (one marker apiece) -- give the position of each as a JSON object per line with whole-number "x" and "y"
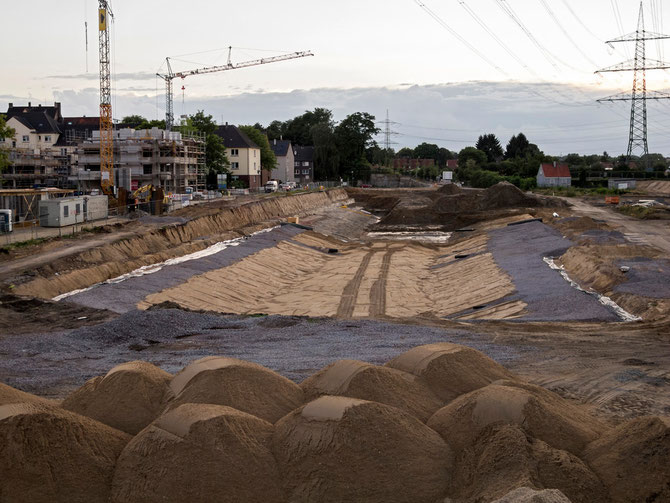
{"x": 106, "y": 126}
{"x": 169, "y": 76}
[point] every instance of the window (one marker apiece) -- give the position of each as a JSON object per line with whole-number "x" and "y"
{"x": 26, "y": 138}
{"x": 63, "y": 151}
{"x": 296, "y": 163}
{"x": 66, "y": 211}
{"x": 234, "y": 152}
{"x": 254, "y": 153}
{"x": 146, "y": 169}
{"x": 305, "y": 163}
{"x": 297, "y": 172}
{"x": 234, "y": 165}
{"x": 47, "y": 138}
{"x": 254, "y": 166}
{"x": 305, "y": 172}
{"x": 77, "y": 209}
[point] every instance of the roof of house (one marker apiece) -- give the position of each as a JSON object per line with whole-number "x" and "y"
{"x": 303, "y": 153}
{"x": 280, "y": 147}
{"x": 40, "y": 122}
{"x": 551, "y": 171}
{"x": 233, "y": 137}
{"x": 452, "y": 163}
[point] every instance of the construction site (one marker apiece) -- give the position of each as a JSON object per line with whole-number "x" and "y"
{"x": 342, "y": 345}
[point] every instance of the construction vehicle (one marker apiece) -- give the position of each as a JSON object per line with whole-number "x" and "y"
{"x": 170, "y": 75}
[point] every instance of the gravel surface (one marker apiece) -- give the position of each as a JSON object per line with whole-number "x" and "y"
{"x": 54, "y": 364}
{"x": 124, "y": 296}
{"x": 646, "y": 277}
{"x": 603, "y": 237}
{"x": 519, "y": 250}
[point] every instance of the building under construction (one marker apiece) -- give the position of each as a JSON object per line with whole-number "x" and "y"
{"x": 171, "y": 160}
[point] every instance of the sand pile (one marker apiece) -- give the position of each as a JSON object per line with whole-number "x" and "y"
{"x": 10, "y": 395}
{"x": 506, "y": 195}
{"x": 344, "y": 449}
{"x": 540, "y": 413}
{"x": 128, "y": 397}
{"x": 199, "y": 453}
{"x": 245, "y": 386}
{"x": 449, "y": 189}
{"x": 48, "y": 454}
{"x": 385, "y": 385}
{"x": 504, "y": 458}
{"x": 633, "y": 460}
{"x": 449, "y": 370}
{"x": 528, "y": 495}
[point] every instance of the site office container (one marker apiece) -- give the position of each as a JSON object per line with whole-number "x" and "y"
{"x": 62, "y": 211}
{"x": 95, "y": 207}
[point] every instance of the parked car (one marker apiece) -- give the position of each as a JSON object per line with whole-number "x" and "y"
{"x": 286, "y": 186}
{"x": 271, "y": 186}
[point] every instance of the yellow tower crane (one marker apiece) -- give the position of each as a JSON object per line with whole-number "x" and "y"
{"x": 170, "y": 75}
{"x": 106, "y": 126}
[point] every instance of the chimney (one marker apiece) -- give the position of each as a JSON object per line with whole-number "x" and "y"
{"x": 11, "y": 105}
{"x": 554, "y": 164}
{"x": 29, "y": 104}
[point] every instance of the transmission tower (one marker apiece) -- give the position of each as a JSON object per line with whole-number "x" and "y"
{"x": 388, "y": 133}
{"x": 637, "y": 138}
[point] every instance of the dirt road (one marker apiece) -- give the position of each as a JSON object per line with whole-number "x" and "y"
{"x": 650, "y": 232}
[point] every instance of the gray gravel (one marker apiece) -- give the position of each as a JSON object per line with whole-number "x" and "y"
{"x": 646, "y": 277}
{"x": 124, "y": 296}
{"x": 519, "y": 250}
{"x": 603, "y": 237}
{"x": 54, "y": 364}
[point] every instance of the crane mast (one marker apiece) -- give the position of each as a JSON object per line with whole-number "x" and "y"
{"x": 170, "y": 75}
{"x": 106, "y": 126}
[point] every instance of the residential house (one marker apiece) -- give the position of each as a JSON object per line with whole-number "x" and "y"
{"x": 243, "y": 154}
{"x": 35, "y": 157}
{"x": 452, "y": 164}
{"x": 553, "y": 175}
{"x": 284, "y": 169}
{"x": 303, "y": 164}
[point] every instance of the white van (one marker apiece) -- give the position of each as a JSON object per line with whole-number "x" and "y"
{"x": 272, "y": 186}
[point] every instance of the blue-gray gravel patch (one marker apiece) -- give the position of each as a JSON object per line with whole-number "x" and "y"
{"x": 646, "y": 277}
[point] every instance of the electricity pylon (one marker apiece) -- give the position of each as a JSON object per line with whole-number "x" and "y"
{"x": 637, "y": 138}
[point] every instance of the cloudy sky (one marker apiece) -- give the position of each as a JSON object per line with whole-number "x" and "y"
{"x": 446, "y": 70}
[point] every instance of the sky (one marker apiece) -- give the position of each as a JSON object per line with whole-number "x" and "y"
{"x": 446, "y": 70}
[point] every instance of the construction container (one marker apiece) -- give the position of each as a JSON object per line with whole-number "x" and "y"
{"x": 6, "y": 224}
{"x": 95, "y": 207}
{"x": 61, "y": 212}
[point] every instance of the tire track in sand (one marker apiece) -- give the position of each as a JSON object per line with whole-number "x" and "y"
{"x": 378, "y": 290}
{"x": 350, "y": 292}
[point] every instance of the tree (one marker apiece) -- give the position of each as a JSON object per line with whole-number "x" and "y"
{"x": 517, "y": 146}
{"x": 276, "y": 130}
{"x": 5, "y": 132}
{"x": 427, "y": 151}
{"x": 405, "y": 152}
{"x": 354, "y": 135}
{"x": 299, "y": 129}
{"x": 490, "y": 145}
{"x": 215, "y": 150}
{"x": 326, "y": 154}
{"x": 471, "y": 153}
{"x": 139, "y": 122}
{"x": 268, "y": 158}
{"x": 133, "y": 119}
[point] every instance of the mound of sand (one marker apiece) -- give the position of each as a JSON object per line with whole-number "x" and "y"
{"x": 128, "y": 397}
{"x": 540, "y": 413}
{"x": 528, "y": 495}
{"x": 633, "y": 460}
{"x": 199, "y": 453}
{"x": 448, "y": 369}
{"x": 10, "y": 395}
{"x": 48, "y": 454}
{"x": 506, "y": 195}
{"x": 449, "y": 189}
{"x": 504, "y": 458}
{"x": 385, "y": 385}
{"x": 345, "y": 449}
{"x": 245, "y": 386}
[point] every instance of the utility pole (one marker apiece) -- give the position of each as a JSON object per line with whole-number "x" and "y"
{"x": 637, "y": 137}
{"x": 106, "y": 125}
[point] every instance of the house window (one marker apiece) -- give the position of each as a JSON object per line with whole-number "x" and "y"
{"x": 47, "y": 138}
{"x": 234, "y": 152}
{"x": 254, "y": 153}
{"x": 234, "y": 165}
{"x": 66, "y": 211}
{"x": 305, "y": 172}
{"x": 296, "y": 163}
{"x": 26, "y": 138}
{"x": 297, "y": 172}
{"x": 63, "y": 151}
{"x": 146, "y": 169}
{"x": 305, "y": 163}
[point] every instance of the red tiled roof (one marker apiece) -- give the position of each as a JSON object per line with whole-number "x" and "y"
{"x": 452, "y": 163}
{"x": 551, "y": 171}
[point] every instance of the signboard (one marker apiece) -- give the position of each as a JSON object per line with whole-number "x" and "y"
{"x": 221, "y": 181}
{"x": 134, "y": 185}
{"x": 447, "y": 175}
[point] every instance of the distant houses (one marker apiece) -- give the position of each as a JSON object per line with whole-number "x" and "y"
{"x": 285, "y": 168}
{"x": 554, "y": 175}
{"x": 303, "y": 164}
{"x": 243, "y": 154}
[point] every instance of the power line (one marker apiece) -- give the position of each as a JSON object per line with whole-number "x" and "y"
{"x": 444, "y": 25}
{"x": 565, "y": 32}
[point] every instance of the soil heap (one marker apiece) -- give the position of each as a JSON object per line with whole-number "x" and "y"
{"x": 449, "y": 370}
{"x": 245, "y": 386}
{"x": 10, "y": 395}
{"x": 633, "y": 460}
{"x": 528, "y": 495}
{"x": 199, "y": 453}
{"x": 540, "y": 413}
{"x": 128, "y": 397}
{"x": 48, "y": 454}
{"x": 385, "y": 385}
{"x": 343, "y": 449}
